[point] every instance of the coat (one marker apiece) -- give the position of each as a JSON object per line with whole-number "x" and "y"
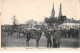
{"x": 57, "y": 37}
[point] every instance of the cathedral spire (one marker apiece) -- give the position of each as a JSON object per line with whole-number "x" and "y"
{"x": 60, "y": 10}
{"x": 53, "y": 11}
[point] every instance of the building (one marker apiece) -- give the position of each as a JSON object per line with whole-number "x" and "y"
{"x": 53, "y": 11}
{"x": 60, "y": 10}
{"x": 69, "y": 25}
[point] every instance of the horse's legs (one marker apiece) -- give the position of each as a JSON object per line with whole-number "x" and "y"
{"x": 8, "y": 32}
{"x": 11, "y": 32}
{"x": 24, "y": 34}
{"x": 37, "y": 42}
{"x": 17, "y": 34}
{"x": 27, "y": 41}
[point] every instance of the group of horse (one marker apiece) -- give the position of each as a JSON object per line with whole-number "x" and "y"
{"x": 53, "y": 36}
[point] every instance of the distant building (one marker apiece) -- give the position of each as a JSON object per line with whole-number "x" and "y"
{"x": 69, "y": 25}
{"x": 53, "y": 11}
{"x": 60, "y": 10}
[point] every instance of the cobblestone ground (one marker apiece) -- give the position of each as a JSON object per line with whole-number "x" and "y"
{"x": 13, "y": 41}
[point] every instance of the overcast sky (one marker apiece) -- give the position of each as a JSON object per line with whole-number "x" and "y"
{"x": 37, "y": 9}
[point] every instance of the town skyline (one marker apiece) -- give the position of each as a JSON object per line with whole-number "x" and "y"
{"x": 37, "y": 10}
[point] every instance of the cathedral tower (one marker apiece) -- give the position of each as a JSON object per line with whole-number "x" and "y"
{"x": 60, "y": 10}
{"x": 53, "y": 11}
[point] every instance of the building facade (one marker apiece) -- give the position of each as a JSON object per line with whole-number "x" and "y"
{"x": 69, "y": 25}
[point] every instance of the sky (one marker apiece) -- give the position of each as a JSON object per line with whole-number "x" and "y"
{"x": 37, "y": 9}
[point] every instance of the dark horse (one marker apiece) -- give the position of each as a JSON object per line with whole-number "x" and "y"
{"x": 35, "y": 34}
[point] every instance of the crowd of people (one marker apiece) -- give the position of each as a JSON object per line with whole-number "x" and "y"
{"x": 53, "y": 36}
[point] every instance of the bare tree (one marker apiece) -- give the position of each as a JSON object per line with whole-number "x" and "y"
{"x": 14, "y": 22}
{"x": 31, "y": 23}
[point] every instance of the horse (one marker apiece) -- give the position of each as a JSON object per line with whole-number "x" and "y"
{"x": 35, "y": 34}
{"x": 20, "y": 31}
{"x": 57, "y": 38}
{"x": 11, "y": 31}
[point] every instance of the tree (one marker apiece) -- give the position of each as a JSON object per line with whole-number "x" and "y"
{"x": 14, "y": 22}
{"x": 54, "y": 21}
{"x": 62, "y": 19}
{"x": 31, "y": 23}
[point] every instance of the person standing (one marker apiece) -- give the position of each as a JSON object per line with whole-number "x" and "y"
{"x": 57, "y": 39}
{"x": 48, "y": 37}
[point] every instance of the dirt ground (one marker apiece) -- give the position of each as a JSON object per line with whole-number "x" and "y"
{"x": 13, "y": 41}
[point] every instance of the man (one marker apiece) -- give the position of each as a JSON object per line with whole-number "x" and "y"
{"x": 11, "y": 31}
{"x": 57, "y": 39}
{"x": 48, "y": 37}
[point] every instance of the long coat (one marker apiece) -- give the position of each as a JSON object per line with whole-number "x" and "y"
{"x": 57, "y": 37}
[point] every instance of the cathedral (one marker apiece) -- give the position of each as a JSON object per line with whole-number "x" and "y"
{"x": 65, "y": 25}
{"x": 53, "y": 11}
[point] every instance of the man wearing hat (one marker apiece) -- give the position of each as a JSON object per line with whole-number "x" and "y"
{"x": 48, "y": 37}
